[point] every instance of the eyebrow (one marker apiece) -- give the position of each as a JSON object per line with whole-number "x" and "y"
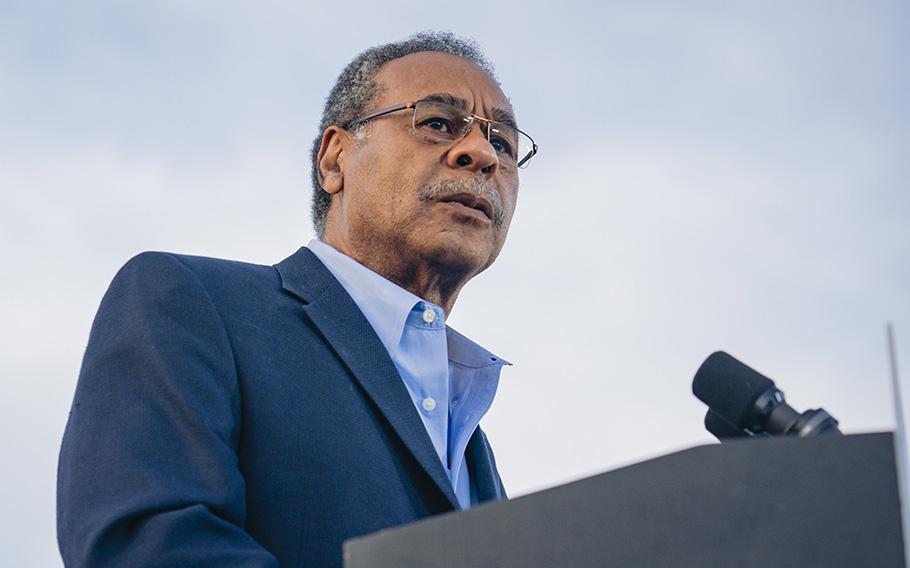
{"x": 499, "y": 114}
{"x": 504, "y": 116}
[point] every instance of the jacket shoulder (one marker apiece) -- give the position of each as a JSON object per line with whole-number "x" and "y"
{"x": 153, "y": 268}
{"x": 201, "y": 265}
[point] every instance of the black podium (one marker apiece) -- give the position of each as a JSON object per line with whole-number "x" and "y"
{"x": 830, "y": 501}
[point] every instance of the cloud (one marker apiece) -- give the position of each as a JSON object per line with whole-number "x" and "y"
{"x": 709, "y": 178}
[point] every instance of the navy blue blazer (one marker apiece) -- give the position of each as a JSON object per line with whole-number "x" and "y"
{"x": 231, "y": 414}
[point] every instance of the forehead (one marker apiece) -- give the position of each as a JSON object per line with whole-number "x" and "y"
{"x": 417, "y": 75}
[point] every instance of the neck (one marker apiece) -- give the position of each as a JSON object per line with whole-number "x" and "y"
{"x": 431, "y": 281}
{"x": 426, "y": 282}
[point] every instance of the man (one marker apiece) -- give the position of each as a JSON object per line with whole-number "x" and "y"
{"x": 243, "y": 415}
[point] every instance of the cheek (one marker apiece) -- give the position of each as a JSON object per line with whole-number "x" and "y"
{"x": 393, "y": 185}
{"x": 386, "y": 202}
{"x": 387, "y": 169}
{"x": 509, "y": 203}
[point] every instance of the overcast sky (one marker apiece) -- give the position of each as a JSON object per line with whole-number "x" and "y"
{"x": 712, "y": 175}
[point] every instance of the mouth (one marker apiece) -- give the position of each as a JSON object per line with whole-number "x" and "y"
{"x": 470, "y": 201}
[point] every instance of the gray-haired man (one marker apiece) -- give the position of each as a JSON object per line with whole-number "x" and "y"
{"x": 243, "y": 415}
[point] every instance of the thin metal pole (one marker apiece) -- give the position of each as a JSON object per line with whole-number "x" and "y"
{"x": 900, "y": 442}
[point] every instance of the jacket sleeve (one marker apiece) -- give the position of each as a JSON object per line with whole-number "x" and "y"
{"x": 148, "y": 472}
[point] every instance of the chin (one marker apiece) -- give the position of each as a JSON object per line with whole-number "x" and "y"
{"x": 460, "y": 257}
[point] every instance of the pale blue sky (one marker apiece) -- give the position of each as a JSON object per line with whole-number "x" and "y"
{"x": 712, "y": 175}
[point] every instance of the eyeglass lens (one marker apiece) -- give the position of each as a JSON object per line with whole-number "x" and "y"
{"x": 442, "y": 122}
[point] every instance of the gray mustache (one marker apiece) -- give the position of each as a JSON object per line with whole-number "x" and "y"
{"x": 475, "y": 186}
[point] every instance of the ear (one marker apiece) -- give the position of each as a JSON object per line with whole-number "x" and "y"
{"x": 330, "y": 157}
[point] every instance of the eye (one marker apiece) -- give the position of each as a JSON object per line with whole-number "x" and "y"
{"x": 501, "y": 145}
{"x": 437, "y": 124}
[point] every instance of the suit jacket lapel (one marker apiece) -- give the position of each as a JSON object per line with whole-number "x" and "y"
{"x": 349, "y": 333}
{"x": 482, "y": 469}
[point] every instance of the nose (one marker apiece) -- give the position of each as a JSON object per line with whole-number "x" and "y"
{"x": 474, "y": 153}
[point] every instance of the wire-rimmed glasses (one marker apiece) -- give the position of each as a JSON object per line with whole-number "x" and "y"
{"x": 441, "y": 122}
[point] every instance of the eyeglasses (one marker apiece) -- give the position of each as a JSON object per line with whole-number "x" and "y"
{"x": 437, "y": 121}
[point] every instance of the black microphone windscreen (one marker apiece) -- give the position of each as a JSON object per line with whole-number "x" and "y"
{"x": 729, "y": 387}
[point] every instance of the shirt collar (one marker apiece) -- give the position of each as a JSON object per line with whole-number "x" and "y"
{"x": 387, "y": 306}
{"x": 464, "y": 352}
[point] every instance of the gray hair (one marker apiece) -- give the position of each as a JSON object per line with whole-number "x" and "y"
{"x": 355, "y": 89}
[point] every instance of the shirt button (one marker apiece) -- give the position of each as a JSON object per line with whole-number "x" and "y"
{"x": 429, "y": 315}
{"x": 429, "y": 404}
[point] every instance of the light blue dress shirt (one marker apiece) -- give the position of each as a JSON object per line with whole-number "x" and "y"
{"x": 451, "y": 379}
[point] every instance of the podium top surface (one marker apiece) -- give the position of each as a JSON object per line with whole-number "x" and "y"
{"x": 829, "y": 501}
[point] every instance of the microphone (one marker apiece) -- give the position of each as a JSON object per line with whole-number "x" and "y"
{"x": 742, "y": 402}
{"x": 722, "y": 429}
